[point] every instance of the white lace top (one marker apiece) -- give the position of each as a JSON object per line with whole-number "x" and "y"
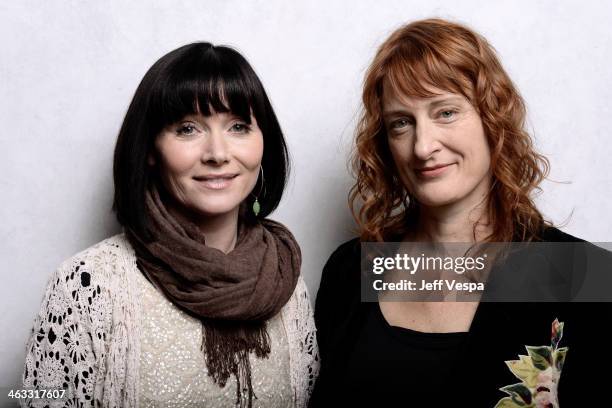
{"x": 88, "y": 335}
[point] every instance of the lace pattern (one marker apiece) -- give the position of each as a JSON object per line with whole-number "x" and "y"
{"x": 86, "y": 337}
{"x": 298, "y": 320}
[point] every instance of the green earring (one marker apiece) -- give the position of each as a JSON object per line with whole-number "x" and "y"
{"x": 256, "y": 207}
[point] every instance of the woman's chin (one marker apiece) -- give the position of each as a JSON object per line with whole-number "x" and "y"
{"x": 210, "y": 211}
{"x": 437, "y": 201}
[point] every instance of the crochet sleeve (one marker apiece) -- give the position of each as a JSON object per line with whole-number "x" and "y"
{"x": 60, "y": 351}
{"x": 302, "y": 329}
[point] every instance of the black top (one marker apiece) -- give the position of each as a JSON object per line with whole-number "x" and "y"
{"x": 367, "y": 362}
{"x": 386, "y": 358}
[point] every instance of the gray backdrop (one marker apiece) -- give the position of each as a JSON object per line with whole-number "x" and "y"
{"x": 69, "y": 69}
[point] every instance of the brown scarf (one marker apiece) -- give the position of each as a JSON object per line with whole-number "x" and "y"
{"x": 232, "y": 294}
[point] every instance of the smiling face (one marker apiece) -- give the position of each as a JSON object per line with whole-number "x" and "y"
{"x": 439, "y": 147}
{"x": 209, "y": 165}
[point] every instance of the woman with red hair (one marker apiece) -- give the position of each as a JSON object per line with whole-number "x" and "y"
{"x": 442, "y": 156}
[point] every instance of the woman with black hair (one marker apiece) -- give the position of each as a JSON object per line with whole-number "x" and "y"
{"x": 200, "y": 301}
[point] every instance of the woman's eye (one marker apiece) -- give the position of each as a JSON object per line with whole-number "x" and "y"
{"x": 240, "y": 128}
{"x": 447, "y": 114}
{"x": 399, "y": 124}
{"x": 186, "y": 130}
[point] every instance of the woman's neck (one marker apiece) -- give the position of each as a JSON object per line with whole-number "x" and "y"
{"x": 220, "y": 231}
{"x": 460, "y": 222}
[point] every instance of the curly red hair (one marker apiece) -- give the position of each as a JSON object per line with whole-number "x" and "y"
{"x": 448, "y": 56}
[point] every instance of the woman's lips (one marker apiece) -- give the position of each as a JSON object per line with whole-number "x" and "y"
{"x": 216, "y": 183}
{"x": 428, "y": 173}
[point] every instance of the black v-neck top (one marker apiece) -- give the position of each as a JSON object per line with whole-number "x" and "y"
{"x": 367, "y": 362}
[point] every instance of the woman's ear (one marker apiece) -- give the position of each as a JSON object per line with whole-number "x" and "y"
{"x": 150, "y": 159}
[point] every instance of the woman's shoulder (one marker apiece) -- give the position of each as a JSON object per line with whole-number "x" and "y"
{"x": 345, "y": 254}
{"x": 553, "y": 234}
{"x": 109, "y": 248}
{"x": 99, "y": 262}
{"x": 342, "y": 269}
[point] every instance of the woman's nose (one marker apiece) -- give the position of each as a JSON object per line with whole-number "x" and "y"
{"x": 426, "y": 141}
{"x": 215, "y": 148}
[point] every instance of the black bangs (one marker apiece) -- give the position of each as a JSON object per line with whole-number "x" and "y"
{"x": 206, "y": 79}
